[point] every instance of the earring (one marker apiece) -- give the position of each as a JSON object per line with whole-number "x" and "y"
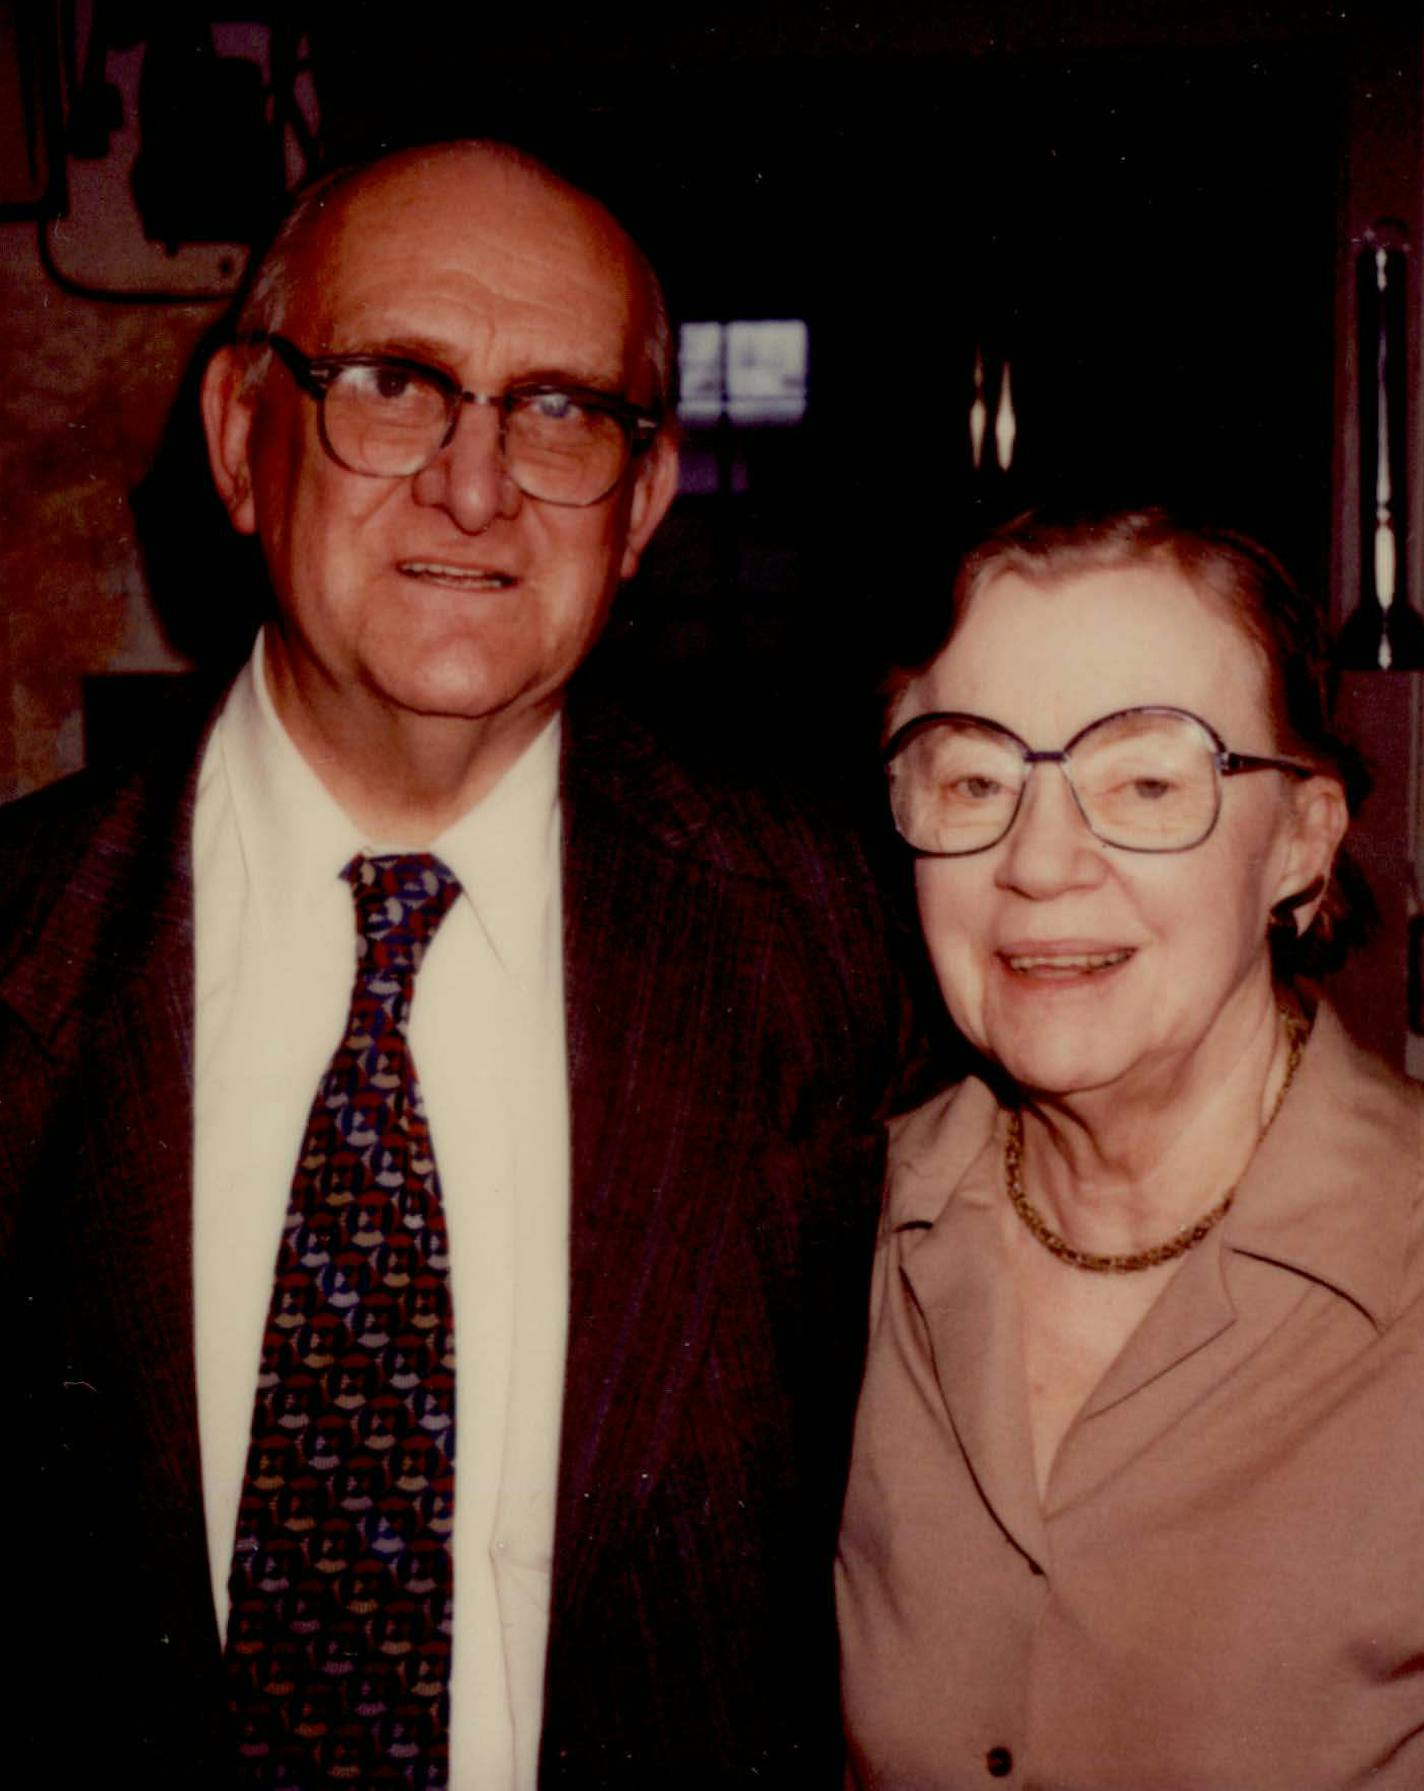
{"x": 1284, "y": 916}
{"x": 1281, "y": 927}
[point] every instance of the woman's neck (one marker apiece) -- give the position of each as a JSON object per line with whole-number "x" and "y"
{"x": 1120, "y": 1169}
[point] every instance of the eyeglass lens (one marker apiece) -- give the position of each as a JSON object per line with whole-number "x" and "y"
{"x": 390, "y": 421}
{"x": 1142, "y": 780}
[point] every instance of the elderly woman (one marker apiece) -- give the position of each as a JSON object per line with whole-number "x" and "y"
{"x": 1137, "y": 1498}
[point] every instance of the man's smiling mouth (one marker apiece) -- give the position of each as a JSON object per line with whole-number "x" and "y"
{"x": 463, "y": 578}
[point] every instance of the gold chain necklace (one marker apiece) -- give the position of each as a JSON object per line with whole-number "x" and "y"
{"x": 1297, "y": 1032}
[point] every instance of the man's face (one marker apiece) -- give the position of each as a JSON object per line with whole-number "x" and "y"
{"x": 447, "y": 594}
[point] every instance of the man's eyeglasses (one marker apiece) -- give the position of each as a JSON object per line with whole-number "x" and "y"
{"x": 387, "y": 417}
{"x": 1147, "y": 780}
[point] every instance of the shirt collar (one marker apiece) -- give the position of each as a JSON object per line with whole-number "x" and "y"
{"x": 1331, "y": 1193}
{"x": 1334, "y": 1187}
{"x": 505, "y": 851}
{"x": 296, "y": 838}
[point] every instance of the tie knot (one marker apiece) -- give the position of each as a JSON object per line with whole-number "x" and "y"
{"x": 401, "y": 898}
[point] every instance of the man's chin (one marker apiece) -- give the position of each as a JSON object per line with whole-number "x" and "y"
{"x": 444, "y": 701}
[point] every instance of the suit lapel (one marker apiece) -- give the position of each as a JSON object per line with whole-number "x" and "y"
{"x": 104, "y": 984}
{"x": 661, "y": 947}
{"x": 139, "y": 1097}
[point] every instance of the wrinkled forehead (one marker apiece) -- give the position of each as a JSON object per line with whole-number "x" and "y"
{"x": 1136, "y": 631}
{"x": 456, "y": 232}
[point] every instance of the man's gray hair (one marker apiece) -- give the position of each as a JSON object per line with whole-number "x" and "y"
{"x": 273, "y": 284}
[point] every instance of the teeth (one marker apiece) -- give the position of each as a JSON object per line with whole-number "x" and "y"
{"x": 455, "y": 575}
{"x": 1084, "y": 961}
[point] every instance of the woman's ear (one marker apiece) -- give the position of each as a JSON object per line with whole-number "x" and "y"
{"x": 227, "y": 422}
{"x": 1320, "y": 820}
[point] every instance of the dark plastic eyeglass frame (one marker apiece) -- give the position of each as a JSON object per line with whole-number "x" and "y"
{"x": 314, "y": 374}
{"x": 1225, "y": 762}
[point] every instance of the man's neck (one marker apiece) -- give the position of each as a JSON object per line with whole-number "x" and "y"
{"x": 402, "y": 777}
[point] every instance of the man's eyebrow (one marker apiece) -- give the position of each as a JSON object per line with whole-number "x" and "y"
{"x": 440, "y": 355}
{"x": 397, "y": 348}
{"x": 583, "y": 378}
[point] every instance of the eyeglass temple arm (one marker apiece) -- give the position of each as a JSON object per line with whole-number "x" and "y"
{"x": 312, "y": 380}
{"x": 1232, "y": 764}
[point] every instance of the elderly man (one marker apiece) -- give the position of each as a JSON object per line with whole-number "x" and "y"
{"x": 581, "y": 1172}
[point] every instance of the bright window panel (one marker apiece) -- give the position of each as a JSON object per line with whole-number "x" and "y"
{"x": 752, "y": 372}
{"x": 766, "y": 371}
{"x": 699, "y": 360}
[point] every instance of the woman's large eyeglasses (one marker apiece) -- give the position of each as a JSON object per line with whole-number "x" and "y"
{"x": 1147, "y": 780}
{"x": 387, "y": 417}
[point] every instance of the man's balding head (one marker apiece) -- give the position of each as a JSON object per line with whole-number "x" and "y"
{"x": 441, "y": 597}
{"x": 296, "y": 245}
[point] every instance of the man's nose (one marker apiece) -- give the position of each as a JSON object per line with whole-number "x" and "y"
{"x": 468, "y": 478}
{"x": 1050, "y": 847}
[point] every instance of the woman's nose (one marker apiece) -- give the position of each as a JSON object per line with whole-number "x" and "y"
{"x": 1050, "y": 847}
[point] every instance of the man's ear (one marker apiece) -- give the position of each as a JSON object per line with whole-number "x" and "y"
{"x": 653, "y": 490}
{"x": 227, "y": 422}
{"x": 1321, "y": 818}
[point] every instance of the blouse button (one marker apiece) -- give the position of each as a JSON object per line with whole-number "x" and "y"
{"x": 1000, "y": 1762}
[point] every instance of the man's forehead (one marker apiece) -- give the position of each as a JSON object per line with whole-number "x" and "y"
{"x": 432, "y": 225}
{"x": 472, "y": 184}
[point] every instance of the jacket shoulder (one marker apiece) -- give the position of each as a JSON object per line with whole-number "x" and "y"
{"x": 766, "y": 841}
{"x": 689, "y": 794}
{"x": 92, "y": 870}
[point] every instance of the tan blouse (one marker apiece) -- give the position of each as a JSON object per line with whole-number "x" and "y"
{"x": 1223, "y": 1587}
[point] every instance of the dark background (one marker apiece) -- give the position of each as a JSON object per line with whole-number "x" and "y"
{"x": 1144, "y": 230}
{"x": 1151, "y": 214}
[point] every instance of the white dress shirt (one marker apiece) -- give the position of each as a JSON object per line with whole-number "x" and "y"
{"x": 275, "y": 957}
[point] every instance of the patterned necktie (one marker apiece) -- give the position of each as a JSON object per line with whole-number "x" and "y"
{"x": 338, "y": 1646}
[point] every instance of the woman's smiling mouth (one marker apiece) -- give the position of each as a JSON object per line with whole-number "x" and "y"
{"x": 1057, "y": 965}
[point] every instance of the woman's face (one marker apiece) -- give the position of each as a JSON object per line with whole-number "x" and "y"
{"x": 1081, "y": 966}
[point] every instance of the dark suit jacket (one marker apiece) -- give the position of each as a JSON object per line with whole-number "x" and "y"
{"x": 729, "y": 1030}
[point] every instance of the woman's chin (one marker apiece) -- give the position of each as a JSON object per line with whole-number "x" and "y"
{"x": 1058, "y": 1081}
{"x": 1060, "y": 1059}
